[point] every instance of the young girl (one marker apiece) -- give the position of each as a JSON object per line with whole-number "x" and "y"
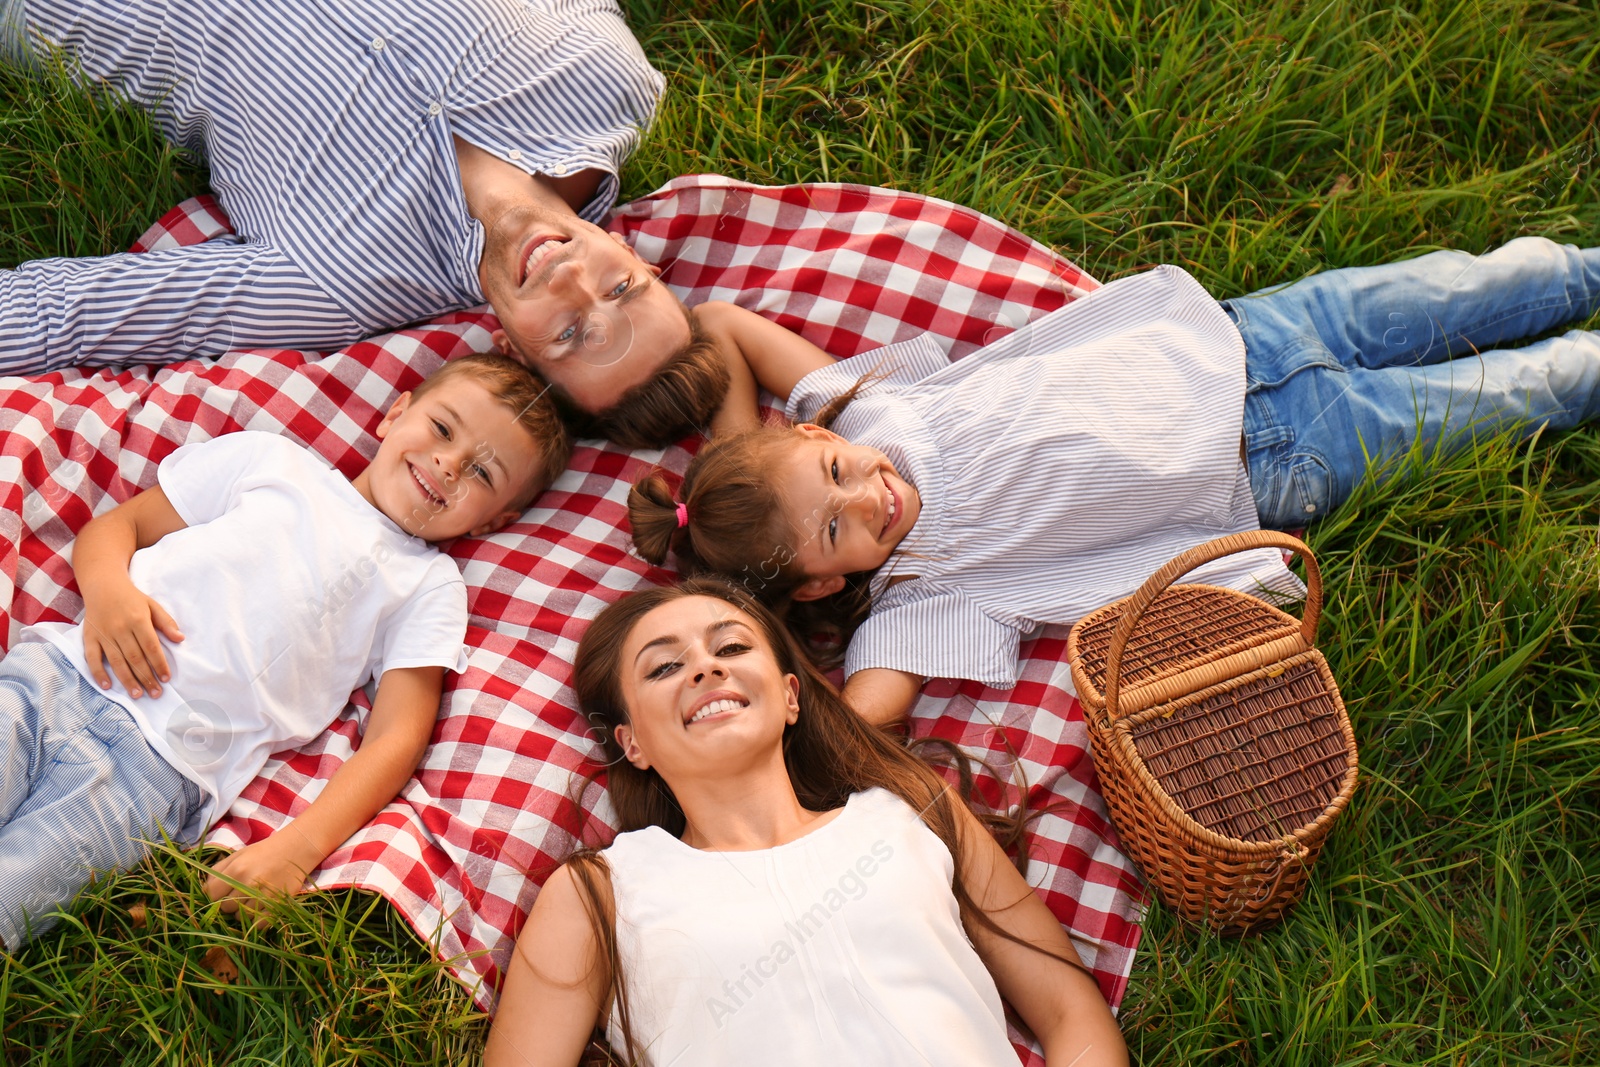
{"x": 1052, "y": 471}
{"x": 790, "y": 886}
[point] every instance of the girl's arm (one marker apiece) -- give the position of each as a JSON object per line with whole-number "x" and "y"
{"x": 881, "y": 695}
{"x": 551, "y": 1000}
{"x": 119, "y": 622}
{"x": 777, "y": 358}
{"x": 398, "y": 730}
{"x": 1061, "y": 1005}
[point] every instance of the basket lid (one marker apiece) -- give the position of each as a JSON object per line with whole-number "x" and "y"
{"x": 1263, "y": 758}
{"x": 1186, "y": 626}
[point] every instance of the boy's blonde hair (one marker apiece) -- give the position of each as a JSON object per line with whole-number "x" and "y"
{"x": 526, "y": 395}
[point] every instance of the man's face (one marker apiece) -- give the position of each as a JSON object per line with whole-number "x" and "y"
{"x": 578, "y": 306}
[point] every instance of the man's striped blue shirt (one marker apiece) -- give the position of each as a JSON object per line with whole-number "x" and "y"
{"x": 327, "y": 128}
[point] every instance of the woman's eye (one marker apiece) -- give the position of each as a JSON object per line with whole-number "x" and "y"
{"x": 732, "y": 648}
{"x": 662, "y": 670}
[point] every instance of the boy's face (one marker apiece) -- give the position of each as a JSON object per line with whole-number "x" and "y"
{"x": 454, "y": 462}
{"x": 848, "y": 505}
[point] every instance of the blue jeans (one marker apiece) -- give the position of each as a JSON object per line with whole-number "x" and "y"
{"x": 80, "y": 789}
{"x": 1357, "y": 366}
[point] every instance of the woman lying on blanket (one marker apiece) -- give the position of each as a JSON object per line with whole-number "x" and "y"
{"x": 936, "y": 512}
{"x": 792, "y": 887}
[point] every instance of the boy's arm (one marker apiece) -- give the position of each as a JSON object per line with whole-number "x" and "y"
{"x": 119, "y": 621}
{"x": 398, "y": 731}
{"x": 777, "y": 358}
{"x": 881, "y": 695}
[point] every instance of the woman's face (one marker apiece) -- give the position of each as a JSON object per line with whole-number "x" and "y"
{"x": 704, "y": 692}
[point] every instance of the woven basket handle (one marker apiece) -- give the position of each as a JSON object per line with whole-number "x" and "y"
{"x": 1145, "y": 696}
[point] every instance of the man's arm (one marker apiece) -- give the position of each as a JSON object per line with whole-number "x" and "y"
{"x": 397, "y": 733}
{"x": 120, "y": 622}
{"x": 155, "y": 307}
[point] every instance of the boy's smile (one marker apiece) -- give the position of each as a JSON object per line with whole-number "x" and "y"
{"x": 848, "y": 504}
{"x": 454, "y": 462}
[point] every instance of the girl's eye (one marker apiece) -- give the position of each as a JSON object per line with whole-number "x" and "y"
{"x": 621, "y": 287}
{"x": 441, "y": 429}
{"x": 835, "y": 470}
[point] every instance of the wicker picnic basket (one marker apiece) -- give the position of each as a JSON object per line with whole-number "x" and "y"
{"x": 1221, "y": 744}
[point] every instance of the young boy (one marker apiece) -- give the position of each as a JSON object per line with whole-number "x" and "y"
{"x": 238, "y": 602}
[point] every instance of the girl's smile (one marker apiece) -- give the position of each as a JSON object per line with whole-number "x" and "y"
{"x": 848, "y": 504}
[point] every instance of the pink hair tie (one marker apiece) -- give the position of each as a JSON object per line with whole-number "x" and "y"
{"x": 683, "y": 515}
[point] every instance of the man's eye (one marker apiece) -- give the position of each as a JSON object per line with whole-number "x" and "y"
{"x": 621, "y": 287}
{"x": 568, "y": 334}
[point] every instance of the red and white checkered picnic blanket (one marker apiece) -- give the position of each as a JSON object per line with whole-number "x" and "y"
{"x": 462, "y": 851}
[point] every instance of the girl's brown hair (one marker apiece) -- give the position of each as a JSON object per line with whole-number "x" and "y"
{"x": 830, "y": 752}
{"x": 736, "y": 528}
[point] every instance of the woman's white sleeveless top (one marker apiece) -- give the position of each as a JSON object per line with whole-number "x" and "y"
{"x": 843, "y": 947}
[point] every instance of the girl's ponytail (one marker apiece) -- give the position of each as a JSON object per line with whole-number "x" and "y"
{"x": 654, "y": 515}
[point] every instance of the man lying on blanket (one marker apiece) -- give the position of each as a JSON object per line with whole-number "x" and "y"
{"x": 382, "y": 162}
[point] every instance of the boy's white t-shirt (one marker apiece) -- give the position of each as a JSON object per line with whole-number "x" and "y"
{"x": 291, "y": 590}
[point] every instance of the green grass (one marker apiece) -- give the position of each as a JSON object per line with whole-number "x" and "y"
{"x": 1455, "y": 916}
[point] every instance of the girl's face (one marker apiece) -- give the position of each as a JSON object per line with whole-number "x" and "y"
{"x": 704, "y": 692}
{"x": 848, "y": 505}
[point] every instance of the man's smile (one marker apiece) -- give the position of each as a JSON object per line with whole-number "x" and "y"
{"x": 535, "y": 252}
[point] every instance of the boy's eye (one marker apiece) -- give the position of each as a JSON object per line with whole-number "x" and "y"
{"x": 481, "y": 472}
{"x": 833, "y": 531}
{"x": 441, "y": 429}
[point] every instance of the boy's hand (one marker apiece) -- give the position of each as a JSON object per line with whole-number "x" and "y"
{"x": 120, "y": 623}
{"x": 277, "y": 866}
{"x": 119, "y": 628}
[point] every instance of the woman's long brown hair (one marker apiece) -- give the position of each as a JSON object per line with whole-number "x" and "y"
{"x": 830, "y": 753}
